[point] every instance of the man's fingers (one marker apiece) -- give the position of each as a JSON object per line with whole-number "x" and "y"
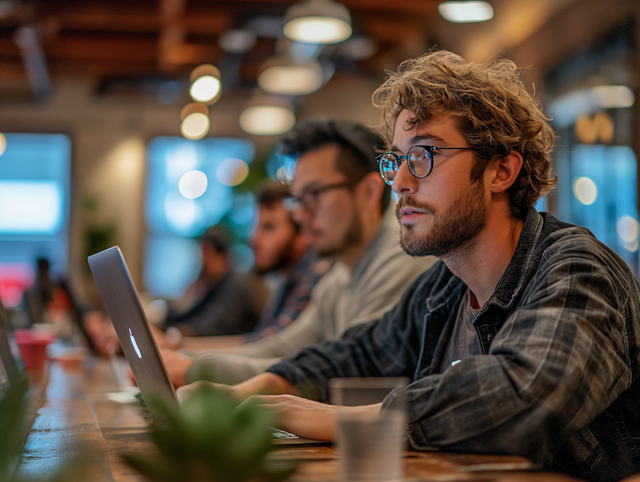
{"x": 186, "y": 391}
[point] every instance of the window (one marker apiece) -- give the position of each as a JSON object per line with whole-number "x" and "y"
{"x": 34, "y": 208}
{"x": 190, "y": 187}
{"x": 592, "y": 107}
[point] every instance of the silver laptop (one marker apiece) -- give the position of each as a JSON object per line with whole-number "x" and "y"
{"x": 121, "y": 299}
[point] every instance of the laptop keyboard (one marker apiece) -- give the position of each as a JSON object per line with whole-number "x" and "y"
{"x": 280, "y": 434}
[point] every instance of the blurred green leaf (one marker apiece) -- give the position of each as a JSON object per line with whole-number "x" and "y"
{"x": 209, "y": 439}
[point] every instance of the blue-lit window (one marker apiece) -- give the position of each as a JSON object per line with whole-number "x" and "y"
{"x": 34, "y": 208}
{"x": 604, "y": 195}
{"x": 592, "y": 106}
{"x": 190, "y": 188}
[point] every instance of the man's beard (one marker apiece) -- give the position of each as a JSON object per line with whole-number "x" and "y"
{"x": 451, "y": 230}
{"x": 352, "y": 237}
{"x": 282, "y": 261}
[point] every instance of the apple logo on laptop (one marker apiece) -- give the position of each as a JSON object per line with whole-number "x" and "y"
{"x": 135, "y": 345}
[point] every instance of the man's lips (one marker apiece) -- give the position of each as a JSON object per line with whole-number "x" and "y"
{"x": 409, "y": 211}
{"x": 408, "y": 214}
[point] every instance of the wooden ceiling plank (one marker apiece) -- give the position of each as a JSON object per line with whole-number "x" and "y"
{"x": 172, "y": 33}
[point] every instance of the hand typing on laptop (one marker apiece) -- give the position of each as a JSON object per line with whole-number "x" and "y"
{"x": 305, "y": 418}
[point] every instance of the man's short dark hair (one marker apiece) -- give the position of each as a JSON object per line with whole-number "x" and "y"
{"x": 271, "y": 193}
{"x": 358, "y": 147}
{"x": 215, "y": 238}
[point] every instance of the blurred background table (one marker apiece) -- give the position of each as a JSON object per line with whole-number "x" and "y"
{"x": 64, "y": 427}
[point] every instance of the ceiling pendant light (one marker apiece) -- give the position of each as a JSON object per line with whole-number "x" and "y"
{"x": 286, "y": 76}
{"x": 466, "y": 11}
{"x": 267, "y": 116}
{"x": 205, "y": 84}
{"x": 317, "y": 21}
{"x": 195, "y": 121}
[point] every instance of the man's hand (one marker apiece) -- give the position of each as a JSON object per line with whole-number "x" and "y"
{"x": 307, "y": 418}
{"x": 300, "y": 416}
{"x": 294, "y": 414}
{"x": 101, "y": 331}
{"x": 177, "y": 365}
{"x": 186, "y": 392}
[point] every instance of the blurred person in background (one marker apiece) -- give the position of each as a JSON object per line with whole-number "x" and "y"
{"x": 219, "y": 302}
{"x": 345, "y": 212}
{"x": 281, "y": 252}
{"x": 38, "y": 297}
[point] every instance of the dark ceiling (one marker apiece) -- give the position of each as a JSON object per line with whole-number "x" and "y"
{"x": 116, "y": 41}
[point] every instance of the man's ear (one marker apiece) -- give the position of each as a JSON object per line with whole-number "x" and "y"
{"x": 371, "y": 188}
{"x": 505, "y": 171}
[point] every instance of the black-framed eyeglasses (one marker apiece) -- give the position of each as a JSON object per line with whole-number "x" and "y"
{"x": 309, "y": 199}
{"x": 419, "y": 159}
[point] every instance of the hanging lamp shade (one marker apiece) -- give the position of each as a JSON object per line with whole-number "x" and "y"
{"x": 205, "y": 84}
{"x": 286, "y": 76}
{"x": 317, "y": 21}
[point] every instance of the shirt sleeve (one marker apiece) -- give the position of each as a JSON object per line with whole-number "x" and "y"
{"x": 305, "y": 330}
{"x": 560, "y": 359}
{"x": 382, "y": 348}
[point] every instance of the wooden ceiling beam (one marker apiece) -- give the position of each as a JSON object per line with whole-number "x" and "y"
{"x": 172, "y": 33}
{"x": 397, "y": 6}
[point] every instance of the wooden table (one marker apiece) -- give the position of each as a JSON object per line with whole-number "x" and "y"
{"x": 64, "y": 426}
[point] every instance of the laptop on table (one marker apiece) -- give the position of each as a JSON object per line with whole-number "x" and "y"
{"x": 123, "y": 305}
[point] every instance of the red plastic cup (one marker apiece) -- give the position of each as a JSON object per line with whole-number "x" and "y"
{"x": 33, "y": 346}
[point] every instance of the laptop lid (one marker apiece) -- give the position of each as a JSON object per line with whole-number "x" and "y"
{"x": 121, "y": 299}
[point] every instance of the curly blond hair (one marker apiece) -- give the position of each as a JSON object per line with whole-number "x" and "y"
{"x": 494, "y": 111}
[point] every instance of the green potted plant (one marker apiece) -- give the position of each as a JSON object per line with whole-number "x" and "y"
{"x": 210, "y": 439}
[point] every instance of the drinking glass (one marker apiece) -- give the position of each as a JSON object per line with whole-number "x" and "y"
{"x": 371, "y": 446}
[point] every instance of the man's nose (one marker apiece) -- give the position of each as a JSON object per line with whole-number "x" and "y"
{"x": 405, "y": 182}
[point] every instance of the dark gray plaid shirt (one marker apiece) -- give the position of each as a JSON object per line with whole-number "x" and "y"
{"x": 558, "y": 378}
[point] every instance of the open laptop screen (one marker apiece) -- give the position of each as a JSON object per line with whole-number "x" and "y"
{"x": 121, "y": 299}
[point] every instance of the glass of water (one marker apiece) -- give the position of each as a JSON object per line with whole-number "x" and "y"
{"x": 371, "y": 446}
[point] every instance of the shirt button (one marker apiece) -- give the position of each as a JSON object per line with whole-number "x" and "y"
{"x": 489, "y": 337}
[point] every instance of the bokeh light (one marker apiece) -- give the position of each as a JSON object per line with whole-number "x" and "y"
{"x": 466, "y": 11}
{"x": 291, "y": 79}
{"x": 613, "y": 96}
{"x": 585, "y": 190}
{"x": 316, "y": 29}
{"x": 267, "y": 120}
{"x": 193, "y": 184}
{"x": 627, "y": 229}
{"x": 205, "y": 89}
{"x": 195, "y": 126}
{"x": 232, "y": 172}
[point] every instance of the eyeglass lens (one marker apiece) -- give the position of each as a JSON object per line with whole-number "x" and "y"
{"x": 418, "y": 159}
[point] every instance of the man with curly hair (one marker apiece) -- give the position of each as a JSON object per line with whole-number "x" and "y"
{"x": 525, "y": 337}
